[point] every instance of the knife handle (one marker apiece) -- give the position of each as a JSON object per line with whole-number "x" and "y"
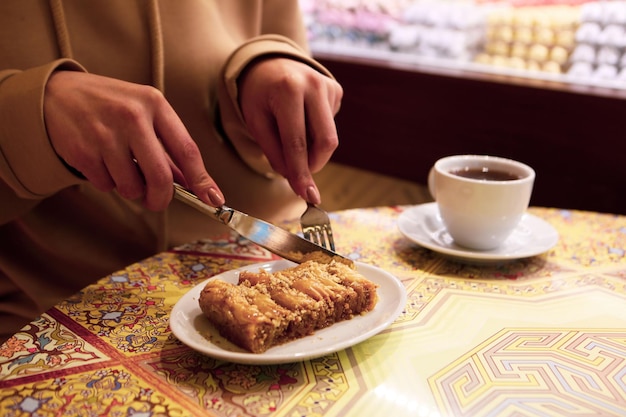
{"x": 221, "y": 214}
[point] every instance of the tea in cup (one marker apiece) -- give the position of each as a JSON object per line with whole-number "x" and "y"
{"x": 481, "y": 198}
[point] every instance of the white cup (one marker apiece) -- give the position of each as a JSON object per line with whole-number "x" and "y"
{"x": 480, "y": 213}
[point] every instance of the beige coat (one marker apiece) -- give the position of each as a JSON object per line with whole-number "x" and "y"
{"x": 57, "y": 232}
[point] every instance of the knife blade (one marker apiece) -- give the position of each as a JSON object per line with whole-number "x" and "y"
{"x": 278, "y": 241}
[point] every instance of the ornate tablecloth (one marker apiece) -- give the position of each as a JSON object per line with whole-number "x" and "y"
{"x": 539, "y": 336}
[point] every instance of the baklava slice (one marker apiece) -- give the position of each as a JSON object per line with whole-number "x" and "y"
{"x": 245, "y": 316}
{"x": 266, "y": 309}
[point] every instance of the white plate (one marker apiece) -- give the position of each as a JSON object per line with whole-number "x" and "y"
{"x": 191, "y": 327}
{"x": 423, "y": 225}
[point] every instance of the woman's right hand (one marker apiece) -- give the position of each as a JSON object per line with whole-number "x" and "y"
{"x": 124, "y": 136}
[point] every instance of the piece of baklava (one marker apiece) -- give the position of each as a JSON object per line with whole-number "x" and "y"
{"x": 266, "y": 309}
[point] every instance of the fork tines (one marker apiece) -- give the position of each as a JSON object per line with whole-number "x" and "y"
{"x": 316, "y": 227}
{"x": 320, "y": 235}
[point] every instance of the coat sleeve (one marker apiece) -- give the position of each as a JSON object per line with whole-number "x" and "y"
{"x": 29, "y": 167}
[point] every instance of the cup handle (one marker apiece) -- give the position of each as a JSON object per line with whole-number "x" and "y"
{"x": 431, "y": 183}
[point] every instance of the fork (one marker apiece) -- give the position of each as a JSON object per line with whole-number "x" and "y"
{"x": 316, "y": 227}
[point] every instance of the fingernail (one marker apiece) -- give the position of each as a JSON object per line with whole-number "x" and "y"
{"x": 216, "y": 197}
{"x": 313, "y": 195}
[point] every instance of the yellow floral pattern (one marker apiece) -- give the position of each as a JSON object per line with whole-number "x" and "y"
{"x": 515, "y": 337}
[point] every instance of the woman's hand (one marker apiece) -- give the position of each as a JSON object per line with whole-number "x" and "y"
{"x": 124, "y": 136}
{"x": 289, "y": 109}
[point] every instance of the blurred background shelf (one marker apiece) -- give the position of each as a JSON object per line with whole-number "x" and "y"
{"x": 470, "y": 70}
{"x": 403, "y": 111}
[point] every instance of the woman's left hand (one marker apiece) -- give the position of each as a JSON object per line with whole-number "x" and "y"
{"x": 289, "y": 109}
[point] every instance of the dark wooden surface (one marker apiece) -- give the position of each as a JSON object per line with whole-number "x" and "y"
{"x": 398, "y": 121}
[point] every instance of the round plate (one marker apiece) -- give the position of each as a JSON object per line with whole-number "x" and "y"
{"x": 191, "y": 327}
{"x": 423, "y": 225}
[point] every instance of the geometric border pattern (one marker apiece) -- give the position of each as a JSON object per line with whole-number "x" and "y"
{"x": 537, "y": 372}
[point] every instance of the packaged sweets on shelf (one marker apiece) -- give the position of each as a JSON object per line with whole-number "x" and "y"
{"x": 573, "y": 40}
{"x": 600, "y": 48}
{"x": 537, "y": 38}
{"x": 444, "y": 30}
{"x": 359, "y": 23}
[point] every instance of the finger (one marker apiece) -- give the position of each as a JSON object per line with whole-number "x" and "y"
{"x": 185, "y": 155}
{"x": 98, "y": 175}
{"x": 136, "y": 161}
{"x": 85, "y": 162}
{"x": 293, "y": 133}
{"x": 178, "y": 175}
{"x": 335, "y": 96}
{"x": 125, "y": 173}
{"x": 322, "y": 132}
{"x": 265, "y": 131}
{"x": 156, "y": 172}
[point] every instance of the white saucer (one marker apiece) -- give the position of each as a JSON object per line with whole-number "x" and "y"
{"x": 423, "y": 225}
{"x": 191, "y": 327}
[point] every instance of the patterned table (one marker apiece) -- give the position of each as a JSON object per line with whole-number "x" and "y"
{"x": 540, "y": 336}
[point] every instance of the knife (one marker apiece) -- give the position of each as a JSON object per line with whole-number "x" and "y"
{"x": 279, "y": 241}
